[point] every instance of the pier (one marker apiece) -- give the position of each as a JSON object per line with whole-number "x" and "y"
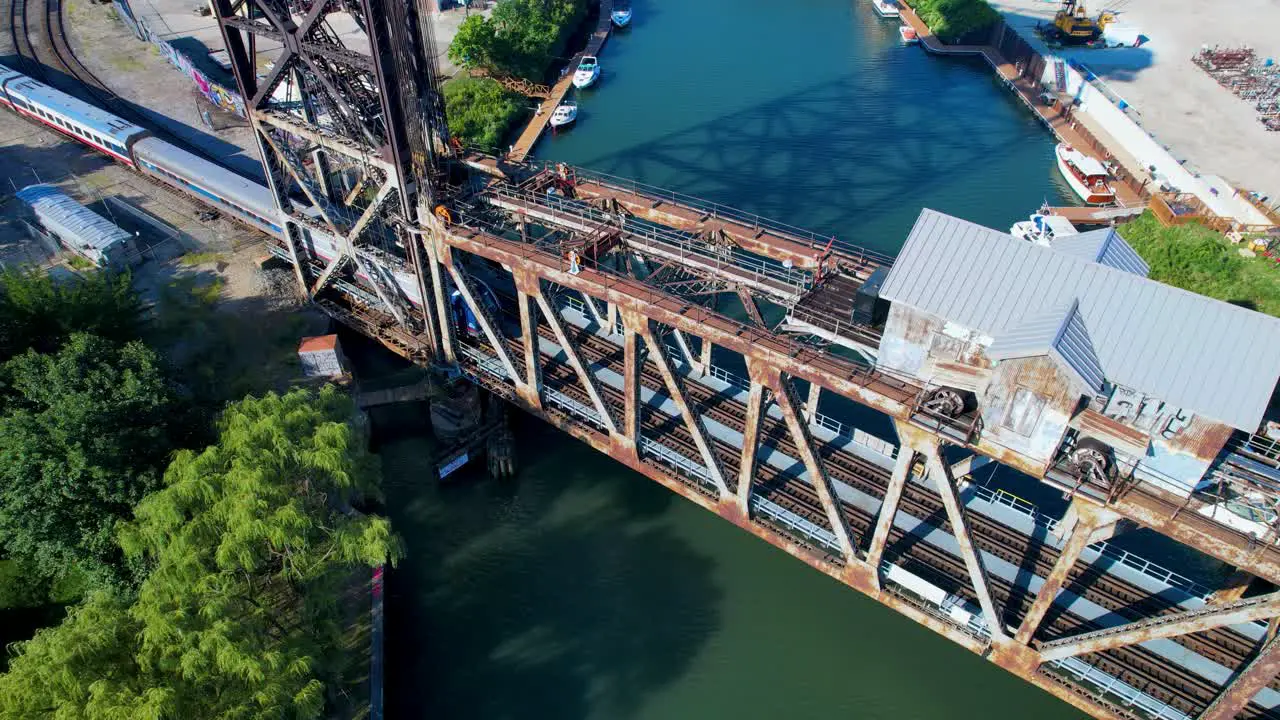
{"x": 542, "y": 116}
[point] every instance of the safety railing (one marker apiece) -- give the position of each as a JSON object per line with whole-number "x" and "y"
{"x": 573, "y": 407}
{"x": 722, "y": 212}
{"x": 1107, "y": 685}
{"x": 659, "y": 239}
{"x": 777, "y": 513}
{"x": 679, "y": 461}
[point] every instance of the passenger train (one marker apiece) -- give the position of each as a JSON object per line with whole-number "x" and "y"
{"x": 134, "y": 146}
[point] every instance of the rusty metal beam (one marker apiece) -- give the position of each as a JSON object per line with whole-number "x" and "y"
{"x": 482, "y": 319}
{"x": 889, "y": 507}
{"x": 435, "y": 250}
{"x": 967, "y": 466}
{"x": 1089, "y": 520}
{"x": 584, "y": 373}
{"x": 683, "y": 343}
{"x": 750, "y": 446}
{"x": 632, "y": 362}
{"x": 1257, "y": 674}
{"x": 1188, "y": 621}
{"x": 811, "y": 403}
{"x": 1233, "y": 588}
{"x": 529, "y": 338}
{"x": 784, "y": 398}
{"x": 946, "y": 486}
{"x": 675, "y": 389}
{"x": 338, "y": 261}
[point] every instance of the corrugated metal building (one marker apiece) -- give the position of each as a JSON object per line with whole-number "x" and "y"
{"x": 1041, "y": 334}
{"x": 79, "y": 228}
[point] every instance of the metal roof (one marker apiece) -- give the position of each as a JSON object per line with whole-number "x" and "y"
{"x": 1060, "y": 334}
{"x": 74, "y": 223}
{"x": 1102, "y": 246}
{"x": 1217, "y": 360}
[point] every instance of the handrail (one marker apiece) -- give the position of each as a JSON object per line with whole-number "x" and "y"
{"x": 719, "y": 211}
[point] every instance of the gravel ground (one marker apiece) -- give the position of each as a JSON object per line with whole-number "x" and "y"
{"x": 1178, "y": 103}
{"x": 137, "y": 72}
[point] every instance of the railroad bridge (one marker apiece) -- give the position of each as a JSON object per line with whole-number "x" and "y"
{"x": 700, "y": 345}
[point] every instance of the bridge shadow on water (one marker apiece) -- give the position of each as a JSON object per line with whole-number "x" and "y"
{"x": 816, "y": 157}
{"x": 563, "y": 594}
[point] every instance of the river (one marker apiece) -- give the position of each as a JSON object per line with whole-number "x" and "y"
{"x": 584, "y": 591}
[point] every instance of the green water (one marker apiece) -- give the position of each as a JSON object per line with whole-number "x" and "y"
{"x": 583, "y": 591}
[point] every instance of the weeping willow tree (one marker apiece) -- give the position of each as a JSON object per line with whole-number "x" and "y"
{"x": 247, "y": 551}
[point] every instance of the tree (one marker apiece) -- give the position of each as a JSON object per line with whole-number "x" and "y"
{"x": 521, "y": 38}
{"x": 250, "y": 546}
{"x": 83, "y": 436}
{"x": 479, "y": 110}
{"x": 37, "y": 313}
{"x": 475, "y": 45}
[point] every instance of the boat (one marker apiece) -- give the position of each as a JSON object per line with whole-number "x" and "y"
{"x": 564, "y": 114}
{"x": 1086, "y": 176}
{"x": 621, "y": 17}
{"x": 886, "y": 8}
{"x": 908, "y": 34}
{"x": 587, "y": 73}
{"x": 1042, "y": 228}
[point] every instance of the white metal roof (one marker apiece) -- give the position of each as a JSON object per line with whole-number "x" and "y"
{"x": 74, "y": 223}
{"x": 1214, "y": 359}
{"x": 1060, "y": 334}
{"x": 1102, "y": 246}
{"x": 82, "y": 113}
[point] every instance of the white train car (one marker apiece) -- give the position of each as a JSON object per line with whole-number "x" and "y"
{"x": 231, "y": 193}
{"x": 74, "y": 118}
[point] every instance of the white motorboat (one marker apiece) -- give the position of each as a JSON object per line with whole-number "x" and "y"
{"x": 886, "y": 8}
{"x": 1042, "y": 228}
{"x": 1086, "y": 176}
{"x": 908, "y": 35}
{"x": 621, "y": 17}
{"x": 564, "y": 114}
{"x": 587, "y": 73}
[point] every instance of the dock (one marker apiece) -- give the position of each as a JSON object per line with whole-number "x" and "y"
{"x": 538, "y": 124}
{"x": 1092, "y": 215}
{"x": 1051, "y": 115}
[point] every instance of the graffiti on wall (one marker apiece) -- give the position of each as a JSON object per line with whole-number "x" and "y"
{"x": 222, "y": 97}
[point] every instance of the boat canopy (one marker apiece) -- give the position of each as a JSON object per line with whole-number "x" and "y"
{"x": 1085, "y": 164}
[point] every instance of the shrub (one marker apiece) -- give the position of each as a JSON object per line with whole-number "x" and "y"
{"x": 956, "y": 21}
{"x": 480, "y": 111}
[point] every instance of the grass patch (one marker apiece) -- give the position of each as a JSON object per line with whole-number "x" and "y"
{"x": 126, "y": 62}
{"x": 1195, "y": 258}
{"x": 201, "y": 258}
{"x": 79, "y": 262}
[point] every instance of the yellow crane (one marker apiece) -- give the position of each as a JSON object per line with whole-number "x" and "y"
{"x": 1073, "y": 25}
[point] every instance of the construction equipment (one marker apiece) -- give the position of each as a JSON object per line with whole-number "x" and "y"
{"x": 1073, "y": 26}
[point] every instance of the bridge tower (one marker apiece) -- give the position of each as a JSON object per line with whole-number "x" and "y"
{"x": 342, "y": 99}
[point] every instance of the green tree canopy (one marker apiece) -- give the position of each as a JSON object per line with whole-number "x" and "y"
{"x": 957, "y": 21}
{"x": 480, "y": 111}
{"x": 83, "y": 436}
{"x": 250, "y": 545}
{"x": 39, "y": 314}
{"x": 521, "y": 38}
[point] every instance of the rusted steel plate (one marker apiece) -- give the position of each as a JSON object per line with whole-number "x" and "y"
{"x": 1115, "y": 433}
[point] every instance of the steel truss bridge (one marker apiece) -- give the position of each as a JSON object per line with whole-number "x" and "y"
{"x": 695, "y": 344}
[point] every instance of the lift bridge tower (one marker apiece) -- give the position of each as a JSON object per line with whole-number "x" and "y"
{"x": 342, "y": 98}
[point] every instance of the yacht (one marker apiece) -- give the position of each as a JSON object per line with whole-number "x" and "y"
{"x": 1086, "y": 176}
{"x": 564, "y": 114}
{"x": 621, "y": 17}
{"x": 587, "y": 73}
{"x": 1042, "y": 228}
{"x": 886, "y": 8}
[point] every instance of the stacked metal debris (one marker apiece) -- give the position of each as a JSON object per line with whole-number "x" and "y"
{"x": 1246, "y": 75}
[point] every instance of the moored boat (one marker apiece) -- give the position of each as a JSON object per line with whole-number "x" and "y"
{"x": 1086, "y": 176}
{"x": 886, "y": 8}
{"x": 564, "y": 115}
{"x": 587, "y": 73}
{"x": 908, "y": 34}
{"x": 621, "y": 17}
{"x": 1042, "y": 228}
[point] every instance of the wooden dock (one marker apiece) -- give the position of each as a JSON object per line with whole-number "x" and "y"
{"x": 1027, "y": 90}
{"x": 1092, "y": 215}
{"x": 538, "y": 124}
